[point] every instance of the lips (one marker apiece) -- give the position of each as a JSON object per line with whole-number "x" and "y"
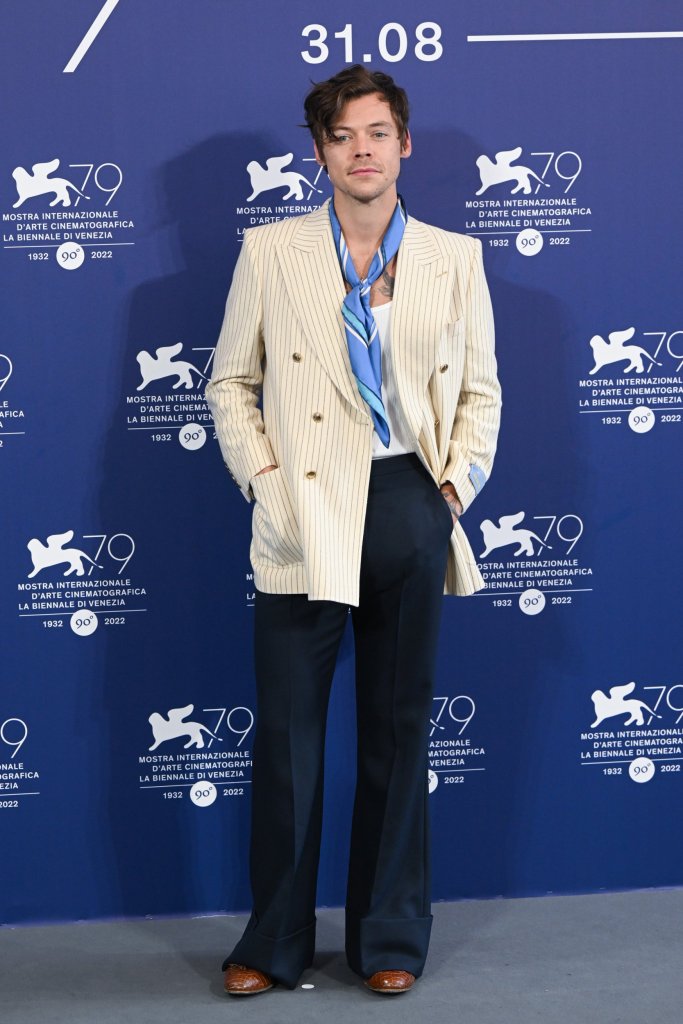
{"x": 365, "y": 170}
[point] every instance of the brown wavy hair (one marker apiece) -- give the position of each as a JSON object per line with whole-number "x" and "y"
{"x": 326, "y": 100}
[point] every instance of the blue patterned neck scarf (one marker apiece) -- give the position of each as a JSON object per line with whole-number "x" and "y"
{"x": 361, "y": 329}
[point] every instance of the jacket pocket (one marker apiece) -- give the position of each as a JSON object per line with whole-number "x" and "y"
{"x": 276, "y": 538}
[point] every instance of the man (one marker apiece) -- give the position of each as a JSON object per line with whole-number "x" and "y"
{"x": 369, "y": 337}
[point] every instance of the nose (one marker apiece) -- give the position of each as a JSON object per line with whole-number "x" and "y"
{"x": 363, "y": 146}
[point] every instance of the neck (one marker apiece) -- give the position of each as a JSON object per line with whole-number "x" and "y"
{"x": 364, "y": 224}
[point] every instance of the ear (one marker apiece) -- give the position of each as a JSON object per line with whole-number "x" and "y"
{"x": 407, "y": 147}
{"x": 318, "y": 156}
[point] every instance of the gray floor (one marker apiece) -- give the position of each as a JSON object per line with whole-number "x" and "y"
{"x": 604, "y": 959}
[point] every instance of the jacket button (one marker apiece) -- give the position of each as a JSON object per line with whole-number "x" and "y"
{"x": 317, "y": 416}
{"x": 442, "y": 369}
{"x": 296, "y": 356}
{"x": 437, "y": 422}
{"x": 310, "y": 475}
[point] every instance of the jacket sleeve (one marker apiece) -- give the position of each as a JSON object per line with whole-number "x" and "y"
{"x": 234, "y": 391}
{"x": 475, "y": 430}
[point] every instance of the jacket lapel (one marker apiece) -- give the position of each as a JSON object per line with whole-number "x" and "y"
{"x": 316, "y": 290}
{"x": 424, "y": 285}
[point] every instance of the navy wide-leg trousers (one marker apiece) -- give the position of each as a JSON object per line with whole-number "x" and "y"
{"x": 388, "y": 919}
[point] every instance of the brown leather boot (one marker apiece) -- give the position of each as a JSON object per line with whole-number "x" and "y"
{"x": 246, "y": 981}
{"x": 391, "y": 983}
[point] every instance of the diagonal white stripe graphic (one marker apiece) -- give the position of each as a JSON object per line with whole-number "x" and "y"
{"x": 90, "y": 36}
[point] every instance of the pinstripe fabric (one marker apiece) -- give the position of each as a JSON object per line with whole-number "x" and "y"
{"x": 283, "y": 335}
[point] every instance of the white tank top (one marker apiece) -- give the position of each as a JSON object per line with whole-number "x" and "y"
{"x": 400, "y": 440}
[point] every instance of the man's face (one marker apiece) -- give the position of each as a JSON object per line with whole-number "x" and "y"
{"x": 364, "y": 155}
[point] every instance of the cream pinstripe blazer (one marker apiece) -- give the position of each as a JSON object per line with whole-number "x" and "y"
{"x": 283, "y": 338}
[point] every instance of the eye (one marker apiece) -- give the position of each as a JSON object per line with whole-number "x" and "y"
{"x": 339, "y": 138}
{"x": 380, "y": 135}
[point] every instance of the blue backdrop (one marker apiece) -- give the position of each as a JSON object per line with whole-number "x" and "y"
{"x": 136, "y": 146}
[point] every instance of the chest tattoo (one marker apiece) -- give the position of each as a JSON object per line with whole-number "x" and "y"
{"x": 385, "y": 284}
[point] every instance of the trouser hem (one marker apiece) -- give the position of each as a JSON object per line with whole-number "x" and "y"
{"x": 284, "y": 959}
{"x": 390, "y": 944}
